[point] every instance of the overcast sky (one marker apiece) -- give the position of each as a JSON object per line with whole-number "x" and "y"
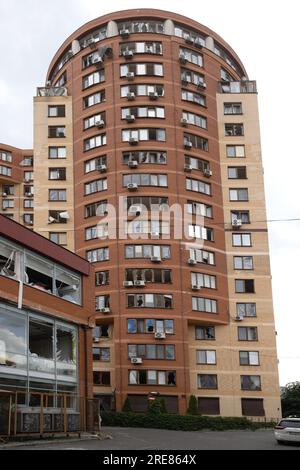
{"x": 265, "y": 35}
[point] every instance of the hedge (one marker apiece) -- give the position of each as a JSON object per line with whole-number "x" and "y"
{"x": 178, "y": 422}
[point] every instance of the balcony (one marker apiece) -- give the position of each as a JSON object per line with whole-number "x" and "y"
{"x": 246, "y": 86}
{"x": 52, "y": 91}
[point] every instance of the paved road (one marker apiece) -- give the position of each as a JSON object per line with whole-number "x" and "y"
{"x": 150, "y": 439}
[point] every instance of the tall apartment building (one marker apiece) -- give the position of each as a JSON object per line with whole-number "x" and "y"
{"x": 157, "y": 109}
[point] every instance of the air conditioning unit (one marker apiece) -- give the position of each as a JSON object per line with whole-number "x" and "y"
{"x": 192, "y": 261}
{"x": 236, "y": 223}
{"x": 135, "y": 210}
{"x": 139, "y": 283}
{"x": 198, "y": 43}
{"x": 155, "y": 259}
{"x": 189, "y": 40}
{"x": 30, "y": 222}
{"x": 64, "y": 215}
{"x": 130, "y": 75}
{"x": 124, "y": 33}
{"x": 4, "y": 194}
{"x": 127, "y": 283}
{"x": 104, "y": 310}
{"x": 133, "y": 164}
{"x": 182, "y": 58}
{"x": 188, "y": 144}
{"x": 102, "y": 168}
{"x": 184, "y": 122}
{"x": 96, "y": 340}
{"x": 28, "y": 194}
{"x": 133, "y": 140}
{"x": 238, "y": 318}
{"x": 196, "y": 287}
{"x": 153, "y": 95}
{"x": 136, "y": 360}
{"x": 130, "y": 96}
{"x": 207, "y": 173}
{"x": 100, "y": 123}
{"x": 128, "y": 54}
{"x": 159, "y": 335}
{"x": 130, "y": 118}
{"x": 155, "y": 235}
{"x": 201, "y": 85}
{"x": 187, "y": 167}
{"x": 132, "y": 186}
{"x": 96, "y": 59}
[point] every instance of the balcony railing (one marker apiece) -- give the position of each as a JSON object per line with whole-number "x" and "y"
{"x": 246, "y": 86}
{"x": 52, "y": 91}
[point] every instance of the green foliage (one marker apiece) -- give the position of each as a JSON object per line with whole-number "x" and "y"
{"x": 157, "y": 406}
{"x": 193, "y": 406}
{"x": 127, "y": 406}
{"x": 290, "y": 399}
{"x": 178, "y": 422}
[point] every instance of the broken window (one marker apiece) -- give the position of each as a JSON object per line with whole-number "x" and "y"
{"x": 66, "y": 351}
{"x": 39, "y": 273}
{"x": 13, "y": 340}
{"x": 68, "y": 286}
{"x": 10, "y": 261}
{"x": 41, "y": 346}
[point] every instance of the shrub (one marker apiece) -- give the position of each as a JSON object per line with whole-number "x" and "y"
{"x": 127, "y": 406}
{"x": 193, "y": 406}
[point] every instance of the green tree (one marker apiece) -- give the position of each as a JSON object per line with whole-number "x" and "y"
{"x": 193, "y": 406}
{"x": 127, "y": 406}
{"x": 290, "y": 399}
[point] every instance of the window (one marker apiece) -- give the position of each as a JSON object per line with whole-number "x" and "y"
{"x": 93, "y": 79}
{"x": 246, "y": 309}
{"x": 205, "y": 333}
{"x": 57, "y": 174}
{"x": 149, "y": 69}
{"x": 152, "y": 351}
{"x": 57, "y": 111}
{"x": 28, "y": 204}
{"x": 197, "y": 163}
{"x": 5, "y": 156}
{"x": 141, "y": 325}
{"x": 147, "y": 251}
{"x": 101, "y": 354}
{"x": 28, "y": 219}
{"x": 145, "y": 179}
{"x": 237, "y": 172}
{"x": 197, "y": 186}
{"x": 198, "y": 208}
{"x": 225, "y": 76}
{"x": 97, "y": 208}
{"x": 240, "y": 194}
{"x": 206, "y": 357}
{"x": 195, "y": 119}
{"x": 196, "y": 98}
{"x": 95, "y": 186}
{"x": 62, "y": 80}
{"x": 142, "y": 26}
{"x": 191, "y": 56}
{"x": 97, "y": 120}
{"x": 243, "y": 216}
{"x": 144, "y": 134}
{"x": 243, "y": 262}
{"x": 162, "y": 276}
{"x": 102, "y": 278}
{"x": 250, "y": 382}
{"x": 141, "y": 90}
{"x": 241, "y": 239}
{"x": 101, "y": 331}
{"x": 96, "y": 98}
{"x": 8, "y": 190}
{"x": 247, "y": 333}
{"x": 197, "y": 142}
{"x": 27, "y": 161}
{"x": 95, "y": 163}
{"x": 58, "y": 237}
{"x": 28, "y": 191}
{"x": 244, "y": 286}
{"x": 154, "y": 228}
{"x": 149, "y": 300}
{"x": 233, "y": 108}
{"x": 203, "y": 233}
{"x": 202, "y": 304}
{"x": 202, "y": 256}
{"x": 57, "y": 217}
{"x": 235, "y": 151}
{"x": 98, "y": 231}
{"x": 94, "y": 142}
{"x": 208, "y": 381}
{"x": 57, "y": 194}
{"x": 209, "y": 405}
{"x": 155, "y": 203}
{"x": 234, "y": 129}
{"x": 152, "y": 377}
{"x": 102, "y": 301}
{"x": 253, "y": 407}
{"x": 203, "y": 280}
{"x": 57, "y": 152}
{"x": 56, "y": 131}
{"x": 5, "y": 170}
{"x": 141, "y": 47}
{"x": 159, "y": 158}
{"x": 28, "y": 176}
{"x": 101, "y": 378}
{"x": 8, "y": 204}
{"x": 98, "y": 255}
{"x": 249, "y": 358}
{"x": 189, "y": 76}
{"x": 144, "y": 112}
